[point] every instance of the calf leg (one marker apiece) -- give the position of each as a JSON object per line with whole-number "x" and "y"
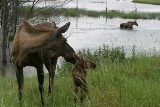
{"x": 75, "y": 93}
{"x": 84, "y": 90}
{"x": 20, "y": 81}
{"x": 40, "y": 74}
{"x": 82, "y": 93}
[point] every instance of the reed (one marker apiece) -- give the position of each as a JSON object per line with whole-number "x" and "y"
{"x": 154, "y": 2}
{"x": 73, "y": 12}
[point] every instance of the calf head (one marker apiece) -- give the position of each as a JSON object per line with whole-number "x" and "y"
{"x": 84, "y": 63}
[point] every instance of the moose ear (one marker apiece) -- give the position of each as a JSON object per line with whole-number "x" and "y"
{"x": 75, "y": 56}
{"x": 64, "y": 28}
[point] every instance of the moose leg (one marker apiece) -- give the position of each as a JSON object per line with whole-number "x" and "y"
{"x": 131, "y": 28}
{"x": 20, "y": 81}
{"x": 40, "y": 74}
{"x": 51, "y": 67}
{"x": 51, "y": 84}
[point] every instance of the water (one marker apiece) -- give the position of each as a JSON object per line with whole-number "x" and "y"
{"x": 120, "y": 5}
{"x": 100, "y": 5}
{"x": 92, "y": 33}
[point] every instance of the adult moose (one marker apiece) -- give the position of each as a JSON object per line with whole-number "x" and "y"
{"x": 128, "y": 25}
{"x": 38, "y": 45}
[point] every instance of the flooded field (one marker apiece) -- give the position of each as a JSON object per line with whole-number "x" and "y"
{"x": 92, "y": 33}
{"x": 100, "y": 5}
{"x": 120, "y": 5}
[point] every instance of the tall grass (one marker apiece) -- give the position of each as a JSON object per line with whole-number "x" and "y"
{"x": 118, "y": 81}
{"x": 73, "y": 12}
{"x": 155, "y": 2}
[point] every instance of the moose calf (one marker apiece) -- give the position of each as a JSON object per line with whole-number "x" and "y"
{"x": 79, "y": 76}
{"x": 128, "y": 25}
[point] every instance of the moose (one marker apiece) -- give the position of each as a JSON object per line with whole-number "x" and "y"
{"x": 128, "y": 25}
{"x": 35, "y": 45}
{"x": 79, "y": 76}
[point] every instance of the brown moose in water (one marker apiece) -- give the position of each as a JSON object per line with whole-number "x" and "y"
{"x": 35, "y": 45}
{"x": 79, "y": 74}
{"x": 128, "y": 25}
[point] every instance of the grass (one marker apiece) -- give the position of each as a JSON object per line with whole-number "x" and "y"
{"x": 155, "y": 2}
{"x": 82, "y": 12}
{"x": 116, "y": 82}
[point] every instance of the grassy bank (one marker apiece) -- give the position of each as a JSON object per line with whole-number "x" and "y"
{"x": 117, "y": 82}
{"x": 155, "y": 2}
{"x": 81, "y": 12}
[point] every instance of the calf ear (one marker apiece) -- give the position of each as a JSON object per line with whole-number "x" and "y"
{"x": 64, "y": 28}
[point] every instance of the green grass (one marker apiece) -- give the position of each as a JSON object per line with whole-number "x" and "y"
{"x": 155, "y": 2}
{"x": 116, "y": 82}
{"x": 82, "y": 12}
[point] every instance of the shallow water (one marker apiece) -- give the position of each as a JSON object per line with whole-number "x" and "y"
{"x": 99, "y": 5}
{"x": 87, "y": 32}
{"x": 92, "y": 33}
{"x": 121, "y": 5}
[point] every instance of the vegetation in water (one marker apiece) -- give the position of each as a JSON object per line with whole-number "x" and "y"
{"x": 155, "y": 2}
{"x": 73, "y": 12}
{"x": 118, "y": 81}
